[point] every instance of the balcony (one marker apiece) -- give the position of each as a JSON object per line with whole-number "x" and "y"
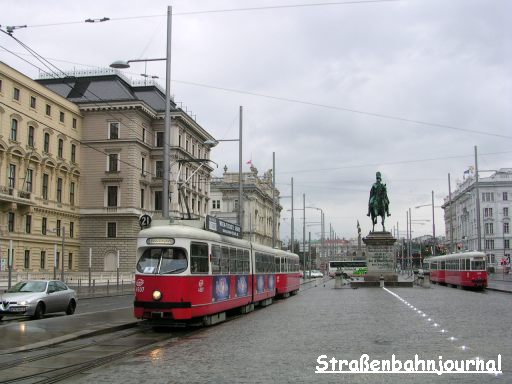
{"x": 11, "y": 198}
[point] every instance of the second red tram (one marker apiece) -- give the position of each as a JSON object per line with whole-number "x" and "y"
{"x": 190, "y": 275}
{"x": 466, "y": 269}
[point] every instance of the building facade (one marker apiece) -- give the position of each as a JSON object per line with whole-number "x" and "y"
{"x": 258, "y": 204}
{"x": 40, "y": 176}
{"x": 122, "y": 153}
{"x": 460, "y": 215}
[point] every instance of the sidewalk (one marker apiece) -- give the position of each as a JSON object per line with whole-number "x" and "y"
{"x": 499, "y": 285}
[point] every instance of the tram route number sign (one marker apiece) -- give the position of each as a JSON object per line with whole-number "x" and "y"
{"x": 145, "y": 221}
{"x": 223, "y": 227}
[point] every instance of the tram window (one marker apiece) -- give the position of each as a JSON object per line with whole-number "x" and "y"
{"x": 239, "y": 260}
{"x": 278, "y": 264}
{"x": 468, "y": 263}
{"x": 478, "y": 265}
{"x": 199, "y": 258}
{"x": 148, "y": 262}
{"x": 443, "y": 265}
{"x": 462, "y": 264}
{"x": 259, "y": 262}
{"x": 174, "y": 260}
{"x": 224, "y": 261}
{"x": 246, "y": 262}
{"x": 215, "y": 259}
{"x": 232, "y": 260}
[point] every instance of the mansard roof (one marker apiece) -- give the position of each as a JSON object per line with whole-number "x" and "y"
{"x": 106, "y": 88}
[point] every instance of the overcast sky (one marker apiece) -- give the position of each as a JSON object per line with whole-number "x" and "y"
{"x": 337, "y": 90}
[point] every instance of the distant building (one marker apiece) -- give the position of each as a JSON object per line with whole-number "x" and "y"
{"x": 122, "y": 152}
{"x": 40, "y": 175}
{"x": 460, "y": 215}
{"x": 258, "y": 207}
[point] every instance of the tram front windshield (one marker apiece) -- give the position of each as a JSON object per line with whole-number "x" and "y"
{"x": 160, "y": 261}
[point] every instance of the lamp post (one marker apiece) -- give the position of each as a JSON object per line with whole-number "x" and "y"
{"x": 321, "y": 228}
{"x": 433, "y": 223}
{"x": 167, "y": 130}
{"x": 213, "y": 143}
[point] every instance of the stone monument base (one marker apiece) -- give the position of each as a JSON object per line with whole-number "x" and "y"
{"x": 380, "y": 257}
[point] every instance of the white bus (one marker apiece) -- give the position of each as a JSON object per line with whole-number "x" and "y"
{"x": 350, "y": 267}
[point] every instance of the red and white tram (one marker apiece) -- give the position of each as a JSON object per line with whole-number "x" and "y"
{"x": 185, "y": 274}
{"x": 467, "y": 269}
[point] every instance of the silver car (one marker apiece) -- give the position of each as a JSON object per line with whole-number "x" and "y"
{"x": 35, "y": 298}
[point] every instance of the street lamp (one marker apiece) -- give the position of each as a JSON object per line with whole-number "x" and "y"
{"x": 433, "y": 223}
{"x": 322, "y": 217}
{"x": 167, "y": 130}
{"x": 213, "y": 143}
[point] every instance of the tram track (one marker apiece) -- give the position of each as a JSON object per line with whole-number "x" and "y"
{"x": 66, "y": 360}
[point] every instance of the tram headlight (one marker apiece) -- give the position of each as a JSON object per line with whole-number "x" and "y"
{"x": 157, "y": 295}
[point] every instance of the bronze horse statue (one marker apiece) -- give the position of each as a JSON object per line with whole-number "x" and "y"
{"x": 378, "y": 204}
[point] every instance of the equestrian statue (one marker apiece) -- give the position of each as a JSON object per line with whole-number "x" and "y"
{"x": 378, "y": 204}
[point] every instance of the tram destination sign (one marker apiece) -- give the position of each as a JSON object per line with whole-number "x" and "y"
{"x": 223, "y": 227}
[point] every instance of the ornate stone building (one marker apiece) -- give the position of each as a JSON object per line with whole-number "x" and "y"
{"x": 257, "y": 204}
{"x": 122, "y": 153}
{"x": 40, "y": 175}
{"x": 460, "y": 215}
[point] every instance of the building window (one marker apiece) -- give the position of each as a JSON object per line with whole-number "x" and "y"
{"x": 44, "y": 225}
{"x": 143, "y": 166}
{"x": 16, "y": 94}
{"x": 60, "y": 149}
{"x": 59, "y": 190}
{"x": 46, "y": 178}
{"x": 487, "y": 212}
{"x": 143, "y": 135}
{"x": 111, "y": 229}
{"x": 142, "y": 198}
{"x": 48, "y": 110}
{"x": 73, "y": 153}
{"x": 26, "y": 262}
{"x": 113, "y": 160}
{"x": 506, "y": 243}
{"x": 46, "y": 145}
{"x": 505, "y": 196}
{"x": 489, "y": 228}
{"x": 72, "y": 193}
{"x": 10, "y": 222}
{"x": 28, "y": 180}
{"x": 70, "y": 261}
{"x": 159, "y": 168}
{"x": 71, "y": 229}
{"x": 31, "y": 131}
{"x": 12, "y": 176}
{"x": 179, "y": 140}
{"x": 42, "y": 260}
{"x": 113, "y": 131}
{"x": 487, "y": 196}
{"x": 112, "y": 196}
{"x": 32, "y": 102}
{"x": 57, "y": 230}
{"x": 489, "y": 244}
{"x": 505, "y": 228}
{"x": 14, "y": 130}
{"x": 216, "y": 204}
{"x": 28, "y": 224}
{"x": 61, "y": 117}
{"x": 158, "y": 200}
{"x": 159, "y": 139}
{"x": 74, "y": 123}
{"x": 505, "y": 211}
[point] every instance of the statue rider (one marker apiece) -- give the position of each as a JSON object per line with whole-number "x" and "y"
{"x": 379, "y": 192}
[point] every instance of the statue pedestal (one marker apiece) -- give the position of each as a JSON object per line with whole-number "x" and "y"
{"x": 380, "y": 258}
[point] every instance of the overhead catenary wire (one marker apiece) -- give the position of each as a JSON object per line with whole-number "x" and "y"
{"x": 213, "y": 11}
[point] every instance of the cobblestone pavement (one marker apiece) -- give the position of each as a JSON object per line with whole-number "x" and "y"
{"x": 281, "y": 343}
